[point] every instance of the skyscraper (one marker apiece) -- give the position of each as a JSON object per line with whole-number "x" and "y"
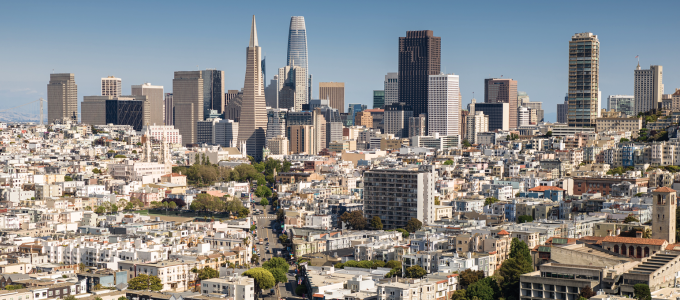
{"x": 391, "y": 88}
{"x": 62, "y": 98}
{"x": 443, "y": 112}
{"x": 213, "y": 91}
{"x": 396, "y": 119}
{"x": 271, "y": 93}
{"x": 252, "y": 127}
{"x": 584, "y": 79}
{"x": 378, "y": 99}
{"x": 334, "y": 92}
{"x": 499, "y": 90}
{"x": 498, "y": 113}
{"x": 187, "y": 90}
{"x": 419, "y": 57}
{"x": 648, "y": 88}
{"x": 168, "y": 110}
{"x": 111, "y": 86}
{"x": 292, "y": 87}
{"x": 156, "y": 101}
{"x": 297, "y": 48}
{"x": 622, "y": 103}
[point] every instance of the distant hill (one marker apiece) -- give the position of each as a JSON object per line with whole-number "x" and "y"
{"x": 19, "y": 117}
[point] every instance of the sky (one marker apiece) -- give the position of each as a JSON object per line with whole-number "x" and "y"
{"x": 355, "y": 42}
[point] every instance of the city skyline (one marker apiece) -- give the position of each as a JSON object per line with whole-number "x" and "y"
{"x": 541, "y": 72}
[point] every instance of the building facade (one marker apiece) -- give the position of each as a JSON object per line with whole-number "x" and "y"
{"x": 157, "y": 103}
{"x": 498, "y": 114}
{"x": 168, "y": 110}
{"x": 334, "y": 92}
{"x": 500, "y": 90}
{"x": 187, "y": 98}
{"x": 443, "y": 104}
{"x": 213, "y": 91}
{"x": 584, "y": 80}
{"x": 648, "y": 88}
{"x": 396, "y": 118}
{"x": 622, "y": 103}
{"x": 62, "y": 98}
{"x": 419, "y": 57}
{"x": 391, "y": 88}
{"x": 112, "y": 86}
{"x": 477, "y": 122}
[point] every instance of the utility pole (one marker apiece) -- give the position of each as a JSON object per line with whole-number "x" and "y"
{"x": 41, "y": 110}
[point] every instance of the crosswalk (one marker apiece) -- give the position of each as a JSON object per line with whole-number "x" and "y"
{"x": 268, "y": 217}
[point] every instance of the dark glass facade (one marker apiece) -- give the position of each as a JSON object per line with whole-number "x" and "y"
{"x": 495, "y": 113}
{"x": 419, "y": 57}
{"x": 125, "y": 112}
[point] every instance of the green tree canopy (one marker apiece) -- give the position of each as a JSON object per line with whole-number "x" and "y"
{"x": 525, "y": 219}
{"x": 448, "y": 162}
{"x": 641, "y": 292}
{"x": 263, "y": 278}
{"x": 279, "y": 275}
{"x": 490, "y": 200}
{"x": 413, "y": 225}
{"x": 207, "y": 273}
{"x": 355, "y": 219}
{"x": 263, "y": 191}
{"x": 484, "y": 289}
{"x": 264, "y": 202}
{"x": 630, "y": 218}
{"x": 376, "y": 223}
{"x": 468, "y": 277}
{"x": 145, "y": 282}
{"x": 415, "y": 272}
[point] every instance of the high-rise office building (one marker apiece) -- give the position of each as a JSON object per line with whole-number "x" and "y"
{"x": 319, "y": 128}
{"x": 112, "y": 86}
{"x": 621, "y": 103}
{"x": 498, "y": 113}
{"x": 297, "y": 49}
{"x": 477, "y": 122}
{"x": 419, "y": 57}
{"x": 156, "y": 101}
{"x": 523, "y": 100}
{"x": 395, "y": 204}
{"x": 334, "y": 125}
{"x": 648, "y": 88}
{"x": 206, "y": 131}
{"x": 353, "y": 109}
{"x": 391, "y": 88}
{"x": 168, "y": 110}
{"x": 378, "y": 99}
{"x": 229, "y": 95}
{"x": 416, "y": 126}
{"x": 276, "y": 122}
{"x": 396, "y": 119}
{"x": 62, "y": 98}
{"x": 271, "y": 93}
{"x": 300, "y": 139}
{"x": 187, "y": 97}
{"x": 584, "y": 79}
{"x": 213, "y": 91}
{"x": 334, "y": 92}
{"x": 278, "y": 145}
{"x": 123, "y": 110}
{"x": 253, "y": 118}
{"x": 363, "y": 118}
{"x": 292, "y": 87}
{"x": 443, "y": 105}
{"x": 501, "y": 90}
{"x": 226, "y": 133}
{"x": 523, "y": 116}
{"x": 563, "y": 111}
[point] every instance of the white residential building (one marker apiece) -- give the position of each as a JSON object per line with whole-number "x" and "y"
{"x": 479, "y": 122}
{"x": 237, "y": 287}
{"x": 648, "y": 88}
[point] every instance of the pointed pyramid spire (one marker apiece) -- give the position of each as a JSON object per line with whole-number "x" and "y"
{"x": 253, "y": 34}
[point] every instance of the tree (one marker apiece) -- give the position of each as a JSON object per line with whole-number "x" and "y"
{"x": 490, "y": 200}
{"x": 520, "y": 250}
{"x": 587, "y": 292}
{"x": 466, "y": 144}
{"x": 276, "y": 263}
{"x": 100, "y": 210}
{"x": 469, "y": 277}
{"x": 301, "y": 290}
{"x": 207, "y": 273}
{"x": 279, "y": 276}
{"x": 264, "y": 202}
{"x": 68, "y": 178}
{"x": 283, "y": 238}
{"x": 415, "y": 272}
{"x": 630, "y": 218}
{"x": 393, "y": 264}
{"x": 459, "y": 295}
{"x": 255, "y": 259}
{"x": 119, "y": 298}
{"x": 119, "y": 156}
{"x": 96, "y": 171}
{"x": 355, "y": 219}
{"x": 145, "y": 282}
{"x": 81, "y": 267}
{"x": 263, "y": 191}
{"x": 413, "y": 225}
{"x": 518, "y": 263}
{"x": 404, "y": 233}
{"x": 641, "y": 292}
{"x": 448, "y": 162}
{"x": 525, "y": 219}
{"x": 549, "y": 134}
{"x": 485, "y": 289}
{"x": 280, "y": 214}
{"x": 623, "y": 140}
{"x": 71, "y": 297}
{"x": 376, "y": 223}
{"x": 263, "y": 279}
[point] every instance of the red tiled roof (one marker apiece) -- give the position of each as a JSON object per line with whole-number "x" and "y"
{"x": 503, "y": 232}
{"x": 632, "y": 240}
{"x": 545, "y": 188}
{"x": 664, "y": 189}
{"x": 672, "y": 246}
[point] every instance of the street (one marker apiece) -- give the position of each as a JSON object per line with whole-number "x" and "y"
{"x": 264, "y": 222}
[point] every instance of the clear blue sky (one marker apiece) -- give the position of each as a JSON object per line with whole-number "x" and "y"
{"x": 349, "y": 41}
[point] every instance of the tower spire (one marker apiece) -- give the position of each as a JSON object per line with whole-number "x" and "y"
{"x": 253, "y": 34}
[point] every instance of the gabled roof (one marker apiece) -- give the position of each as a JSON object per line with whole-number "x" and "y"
{"x": 664, "y": 189}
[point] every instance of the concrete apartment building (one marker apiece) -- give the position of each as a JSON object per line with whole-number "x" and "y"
{"x": 278, "y": 145}
{"x": 648, "y": 89}
{"x": 112, "y": 86}
{"x": 301, "y": 137}
{"x": 364, "y": 118}
{"x": 396, "y": 119}
{"x": 583, "y": 92}
{"x": 622, "y": 103}
{"x": 62, "y": 98}
{"x": 156, "y": 99}
{"x": 619, "y": 124}
{"x": 399, "y": 194}
{"x": 334, "y": 92}
{"x": 187, "y": 98}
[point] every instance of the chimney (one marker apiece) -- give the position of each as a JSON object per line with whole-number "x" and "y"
{"x": 638, "y": 234}
{"x": 618, "y": 231}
